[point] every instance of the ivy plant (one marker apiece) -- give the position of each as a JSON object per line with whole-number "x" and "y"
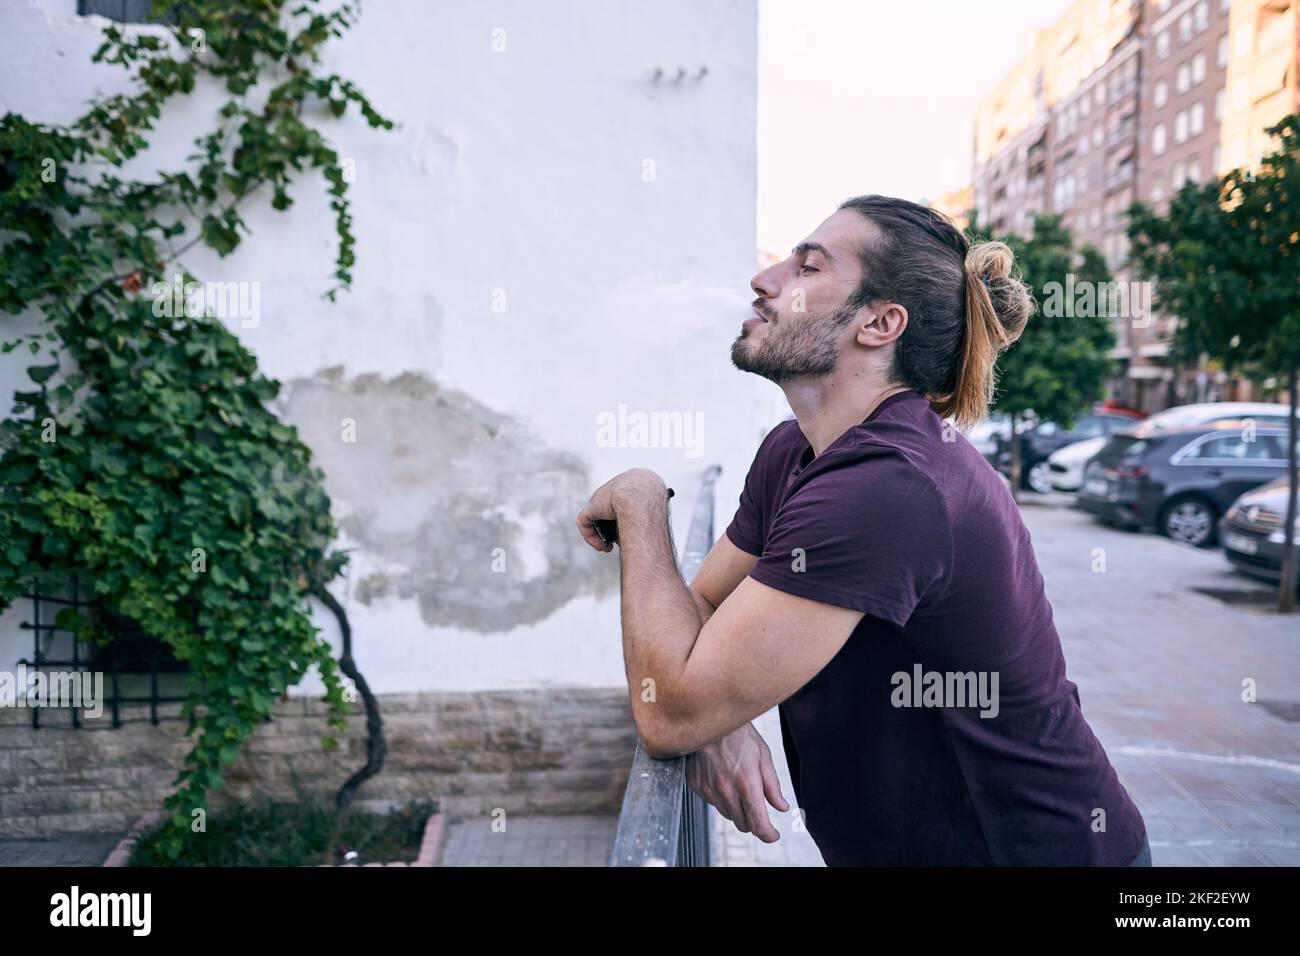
{"x": 144, "y": 457}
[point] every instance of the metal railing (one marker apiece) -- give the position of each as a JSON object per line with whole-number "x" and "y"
{"x": 662, "y": 822}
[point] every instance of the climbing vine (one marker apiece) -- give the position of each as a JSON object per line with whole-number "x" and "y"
{"x": 144, "y": 458}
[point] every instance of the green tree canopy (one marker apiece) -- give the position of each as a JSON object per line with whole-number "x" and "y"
{"x": 1226, "y": 260}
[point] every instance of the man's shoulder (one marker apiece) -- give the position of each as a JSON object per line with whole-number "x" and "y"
{"x": 783, "y": 440}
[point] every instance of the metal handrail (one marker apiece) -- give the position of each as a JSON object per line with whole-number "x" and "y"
{"x": 663, "y": 822}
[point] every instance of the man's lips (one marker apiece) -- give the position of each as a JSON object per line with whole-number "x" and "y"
{"x": 759, "y": 318}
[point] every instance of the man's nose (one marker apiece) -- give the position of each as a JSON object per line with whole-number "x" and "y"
{"x": 765, "y": 284}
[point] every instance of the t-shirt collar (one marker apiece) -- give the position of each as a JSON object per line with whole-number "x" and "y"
{"x": 894, "y": 399}
{"x": 806, "y": 458}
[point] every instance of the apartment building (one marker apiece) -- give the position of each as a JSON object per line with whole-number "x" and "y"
{"x": 1120, "y": 101}
{"x": 1185, "y": 54}
{"x": 1059, "y": 134}
{"x": 956, "y": 205}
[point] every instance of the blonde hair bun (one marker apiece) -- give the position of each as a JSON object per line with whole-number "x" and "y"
{"x": 1013, "y": 302}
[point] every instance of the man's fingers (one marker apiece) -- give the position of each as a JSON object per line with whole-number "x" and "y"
{"x": 587, "y": 528}
{"x": 756, "y": 813}
{"x": 771, "y": 782}
{"x": 734, "y": 811}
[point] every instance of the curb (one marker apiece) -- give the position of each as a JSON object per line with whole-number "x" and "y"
{"x": 431, "y": 843}
{"x": 121, "y": 854}
{"x": 435, "y": 834}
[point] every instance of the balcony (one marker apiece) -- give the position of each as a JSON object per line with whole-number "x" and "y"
{"x": 1117, "y": 95}
{"x": 1122, "y": 133}
{"x": 1119, "y": 177}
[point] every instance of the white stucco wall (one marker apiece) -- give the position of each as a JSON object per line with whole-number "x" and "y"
{"x": 520, "y": 173}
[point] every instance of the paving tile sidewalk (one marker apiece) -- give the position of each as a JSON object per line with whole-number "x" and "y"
{"x": 77, "y": 851}
{"x": 577, "y": 840}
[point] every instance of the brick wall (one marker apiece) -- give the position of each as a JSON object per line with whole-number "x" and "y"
{"x": 526, "y": 751}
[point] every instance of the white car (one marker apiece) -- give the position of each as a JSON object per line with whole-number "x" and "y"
{"x": 1264, "y": 413}
{"x": 1065, "y": 465}
{"x": 987, "y": 436}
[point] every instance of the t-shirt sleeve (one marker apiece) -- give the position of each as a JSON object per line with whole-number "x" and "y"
{"x": 870, "y": 533}
{"x": 748, "y": 527}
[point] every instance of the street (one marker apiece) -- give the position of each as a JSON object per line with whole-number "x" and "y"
{"x": 1162, "y": 671}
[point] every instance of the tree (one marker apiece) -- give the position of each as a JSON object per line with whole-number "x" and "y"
{"x": 1225, "y": 258}
{"x": 144, "y": 458}
{"x": 1058, "y": 367}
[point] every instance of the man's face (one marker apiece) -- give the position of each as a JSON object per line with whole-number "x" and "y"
{"x": 802, "y": 321}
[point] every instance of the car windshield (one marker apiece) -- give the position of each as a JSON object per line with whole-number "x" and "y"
{"x": 1176, "y": 417}
{"x": 1121, "y": 447}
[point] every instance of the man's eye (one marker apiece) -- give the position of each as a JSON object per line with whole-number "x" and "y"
{"x": 807, "y": 269}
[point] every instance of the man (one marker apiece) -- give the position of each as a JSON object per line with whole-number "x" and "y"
{"x": 877, "y": 581}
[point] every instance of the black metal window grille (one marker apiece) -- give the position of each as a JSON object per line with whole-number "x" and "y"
{"x": 140, "y": 672}
{"x": 123, "y": 11}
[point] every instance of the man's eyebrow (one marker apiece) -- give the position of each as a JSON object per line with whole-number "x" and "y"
{"x": 806, "y": 247}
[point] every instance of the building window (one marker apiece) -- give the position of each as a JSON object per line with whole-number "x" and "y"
{"x": 1157, "y": 193}
{"x": 1158, "y": 139}
{"x": 1198, "y": 69}
{"x": 1196, "y": 119}
{"x": 1180, "y": 174}
{"x": 1180, "y": 127}
{"x": 1244, "y": 42}
{"x": 1241, "y": 93}
{"x": 1219, "y": 97}
{"x": 1185, "y": 29}
{"x": 1183, "y": 78}
{"x": 1162, "y": 45}
{"x": 1160, "y": 95}
{"x": 1203, "y": 16}
{"x": 1194, "y": 171}
{"x": 1222, "y": 58}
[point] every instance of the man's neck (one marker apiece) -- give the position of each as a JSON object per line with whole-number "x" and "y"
{"x": 829, "y": 406}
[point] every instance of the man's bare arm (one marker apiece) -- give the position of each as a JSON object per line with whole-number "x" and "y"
{"x": 692, "y": 683}
{"x": 724, "y": 567}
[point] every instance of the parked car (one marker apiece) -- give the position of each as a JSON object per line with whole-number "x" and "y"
{"x": 1180, "y": 416}
{"x": 1042, "y": 439}
{"x": 1180, "y": 480}
{"x": 1065, "y": 465}
{"x": 1252, "y": 531}
{"x": 987, "y": 436}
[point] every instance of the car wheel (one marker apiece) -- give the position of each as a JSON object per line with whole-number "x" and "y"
{"x": 1039, "y": 478}
{"x": 1189, "y": 521}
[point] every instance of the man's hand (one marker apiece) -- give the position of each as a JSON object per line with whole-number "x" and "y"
{"x": 734, "y": 774}
{"x": 631, "y": 488}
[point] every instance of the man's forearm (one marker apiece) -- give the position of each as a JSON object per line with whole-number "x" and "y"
{"x": 661, "y": 618}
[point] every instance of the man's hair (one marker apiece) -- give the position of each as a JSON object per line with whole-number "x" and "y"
{"x": 964, "y": 305}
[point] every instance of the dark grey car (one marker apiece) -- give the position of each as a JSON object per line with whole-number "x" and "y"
{"x": 1181, "y": 480}
{"x": 1251, "y": 531}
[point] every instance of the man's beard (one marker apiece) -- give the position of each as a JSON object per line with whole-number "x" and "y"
{"x": 809, "y": 347}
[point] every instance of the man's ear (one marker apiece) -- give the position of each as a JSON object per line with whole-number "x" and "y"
{"x": 882, "y": 325}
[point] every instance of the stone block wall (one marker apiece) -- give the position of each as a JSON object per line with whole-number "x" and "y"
{"x": 564, "y": 750}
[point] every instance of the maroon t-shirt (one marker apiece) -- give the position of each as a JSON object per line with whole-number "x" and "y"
{"x": 945, "y": 732}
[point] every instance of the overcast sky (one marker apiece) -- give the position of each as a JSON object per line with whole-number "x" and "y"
{"x": 874, "y": 96}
